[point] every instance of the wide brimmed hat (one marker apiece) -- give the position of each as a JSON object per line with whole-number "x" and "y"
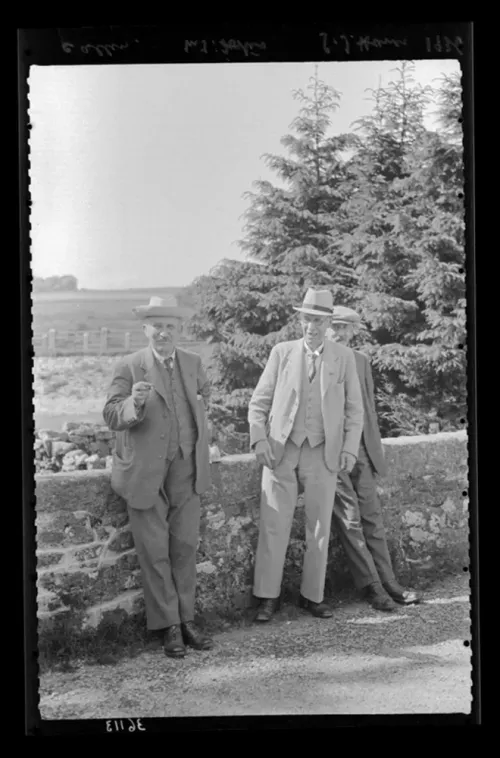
{"x": 161, "y": 308}
{"x": 343, "y": 315}
{"x": 316, "y": 303}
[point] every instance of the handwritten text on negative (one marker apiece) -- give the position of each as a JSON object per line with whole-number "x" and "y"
{"x": 224, "y": 46}
{"x": 101, "y": 50}
{"x": 348, "y": 43}
{"x": 125, "y": 725}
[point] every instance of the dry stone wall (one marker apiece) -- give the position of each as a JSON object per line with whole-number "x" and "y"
{"x": 77, "y": 447}
{"x": 87, "y": 565}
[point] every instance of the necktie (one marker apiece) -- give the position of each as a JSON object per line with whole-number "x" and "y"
{"x": 169, "y": 365}
{"x": 313, "y": 366}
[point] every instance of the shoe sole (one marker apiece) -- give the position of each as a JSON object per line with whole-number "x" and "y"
{"x": 174, "y": 655}
{"x": 316, "y": 615}
{"x": 197, "y": 647}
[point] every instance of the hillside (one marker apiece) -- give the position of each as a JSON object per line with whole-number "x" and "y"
{"x": 90, "y": 310}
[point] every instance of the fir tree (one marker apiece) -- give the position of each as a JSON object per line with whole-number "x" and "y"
{"x": 408, "y": 250}
{"x": 376, "y": 217}
{"x": 294, "y": 239}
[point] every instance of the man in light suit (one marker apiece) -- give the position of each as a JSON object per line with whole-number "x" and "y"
{"x": 156, "y": 405}
{"x": 357, "y": 511}
{"x": 306, "y": 419}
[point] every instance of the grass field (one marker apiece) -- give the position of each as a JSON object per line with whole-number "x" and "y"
{"x": 72, "y": 314}
{"x": 90, "y": 310}
{"x": 68, "y": 387}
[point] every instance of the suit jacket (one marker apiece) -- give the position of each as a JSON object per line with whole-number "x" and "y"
{"x": 371, "y": 432}
{"x": 142, "y": 436}
{"x": 275, "y": 400}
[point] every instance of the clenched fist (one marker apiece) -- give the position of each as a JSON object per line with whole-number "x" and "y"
{"x": 140, "y": 392}
{"x": 264, "y": 454}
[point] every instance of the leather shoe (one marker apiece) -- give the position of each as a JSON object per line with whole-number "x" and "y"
{"x": 320, "y": 610}
{"x": 267, "y": 607}
{"x": 173, "y": 646}
{"x": 194, "y": 638}
{"x": 379, "y": 598}
{"x": 401, "y": 595}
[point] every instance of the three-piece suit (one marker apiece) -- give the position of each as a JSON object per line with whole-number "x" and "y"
{"x": 308, "y": 424}
{"x": 160, "y": 467}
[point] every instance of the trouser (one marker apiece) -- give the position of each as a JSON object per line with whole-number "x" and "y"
{"x": 166, "y": 540}
{"x": 358, "y": 516}
{"x": 278, "y": 500}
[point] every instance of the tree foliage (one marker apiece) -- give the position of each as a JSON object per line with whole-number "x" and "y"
{"x": 376, "y": 216}
{"x": 55, "y": 284}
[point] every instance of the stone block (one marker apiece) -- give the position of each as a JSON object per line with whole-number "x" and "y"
{"x": 104, "y": 532}
{"x": 46, "y": 559}
{"x": 50, "y": 538}
{"x": 48, "y": 602}
{"x": 79, "y": 535}
{"x": 104, "y": 435}
{"x": 127, "y": 601}
{"x": 88, "y": 553}
{"x": 122, "y": 541}
{"x": 86, "y": 430}
{"x": 83, "y": 588}
{"x": 100, "y": 448}
{"x": 95, "y": 462}
{"x": 60, "y": 449}
{"x": 64, "y": 529}
{"x": 49, "y": 434}
{"x": 70, "y": 426}
{"x": 75, "y": 456}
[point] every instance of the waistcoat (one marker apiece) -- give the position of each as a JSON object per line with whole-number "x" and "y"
{"x": 308, "y": 423}
{"x": 183, "y": 427}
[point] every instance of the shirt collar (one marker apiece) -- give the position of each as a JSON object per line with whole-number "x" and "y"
{"x": 318, "y": 350}
{"x": 160, "y": 358}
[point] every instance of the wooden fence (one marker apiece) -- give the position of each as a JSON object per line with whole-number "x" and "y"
{"x": 102, "y": 342}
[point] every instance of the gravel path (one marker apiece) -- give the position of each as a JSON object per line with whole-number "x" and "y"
{"x": 359, "y": 662}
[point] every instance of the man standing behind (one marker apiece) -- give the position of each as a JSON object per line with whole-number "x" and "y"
{"x": 357, "y": 510}
{"x": 156, "y": 405}
{"x": 306, "y": 419}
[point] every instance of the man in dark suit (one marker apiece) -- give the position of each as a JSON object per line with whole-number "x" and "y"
{"x": 357, "y": 510}
{"x": 156, "y": 405}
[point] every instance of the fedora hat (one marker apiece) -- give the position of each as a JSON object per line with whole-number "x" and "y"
{"x": 316, "y": 303}
{"x": 343, "y": 315}
{"x": 162, "y": 307}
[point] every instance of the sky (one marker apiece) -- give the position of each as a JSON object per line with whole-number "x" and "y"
{"x": 137, "y": 173}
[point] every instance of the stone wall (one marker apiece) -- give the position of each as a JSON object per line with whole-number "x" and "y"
{"x": 87, "y": 563}
{"x": 86, "y": 446}
{"x": 77, "y": 447}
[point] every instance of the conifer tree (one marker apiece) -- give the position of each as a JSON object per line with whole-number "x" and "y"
{"x": 376, "y": 216}
{"x": 407, "y": 243}
{"x": 294, "y": 239}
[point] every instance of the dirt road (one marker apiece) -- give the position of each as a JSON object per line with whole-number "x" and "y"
{"x": 359, "y": 662}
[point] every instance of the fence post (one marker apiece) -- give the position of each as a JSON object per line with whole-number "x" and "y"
{"x": 104, "y": 339}
{"x": 85, "y": 342}
{"x": 52, "y": 340}
{"x": 45, "y": 343}
{"x": 127, "y": 341}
